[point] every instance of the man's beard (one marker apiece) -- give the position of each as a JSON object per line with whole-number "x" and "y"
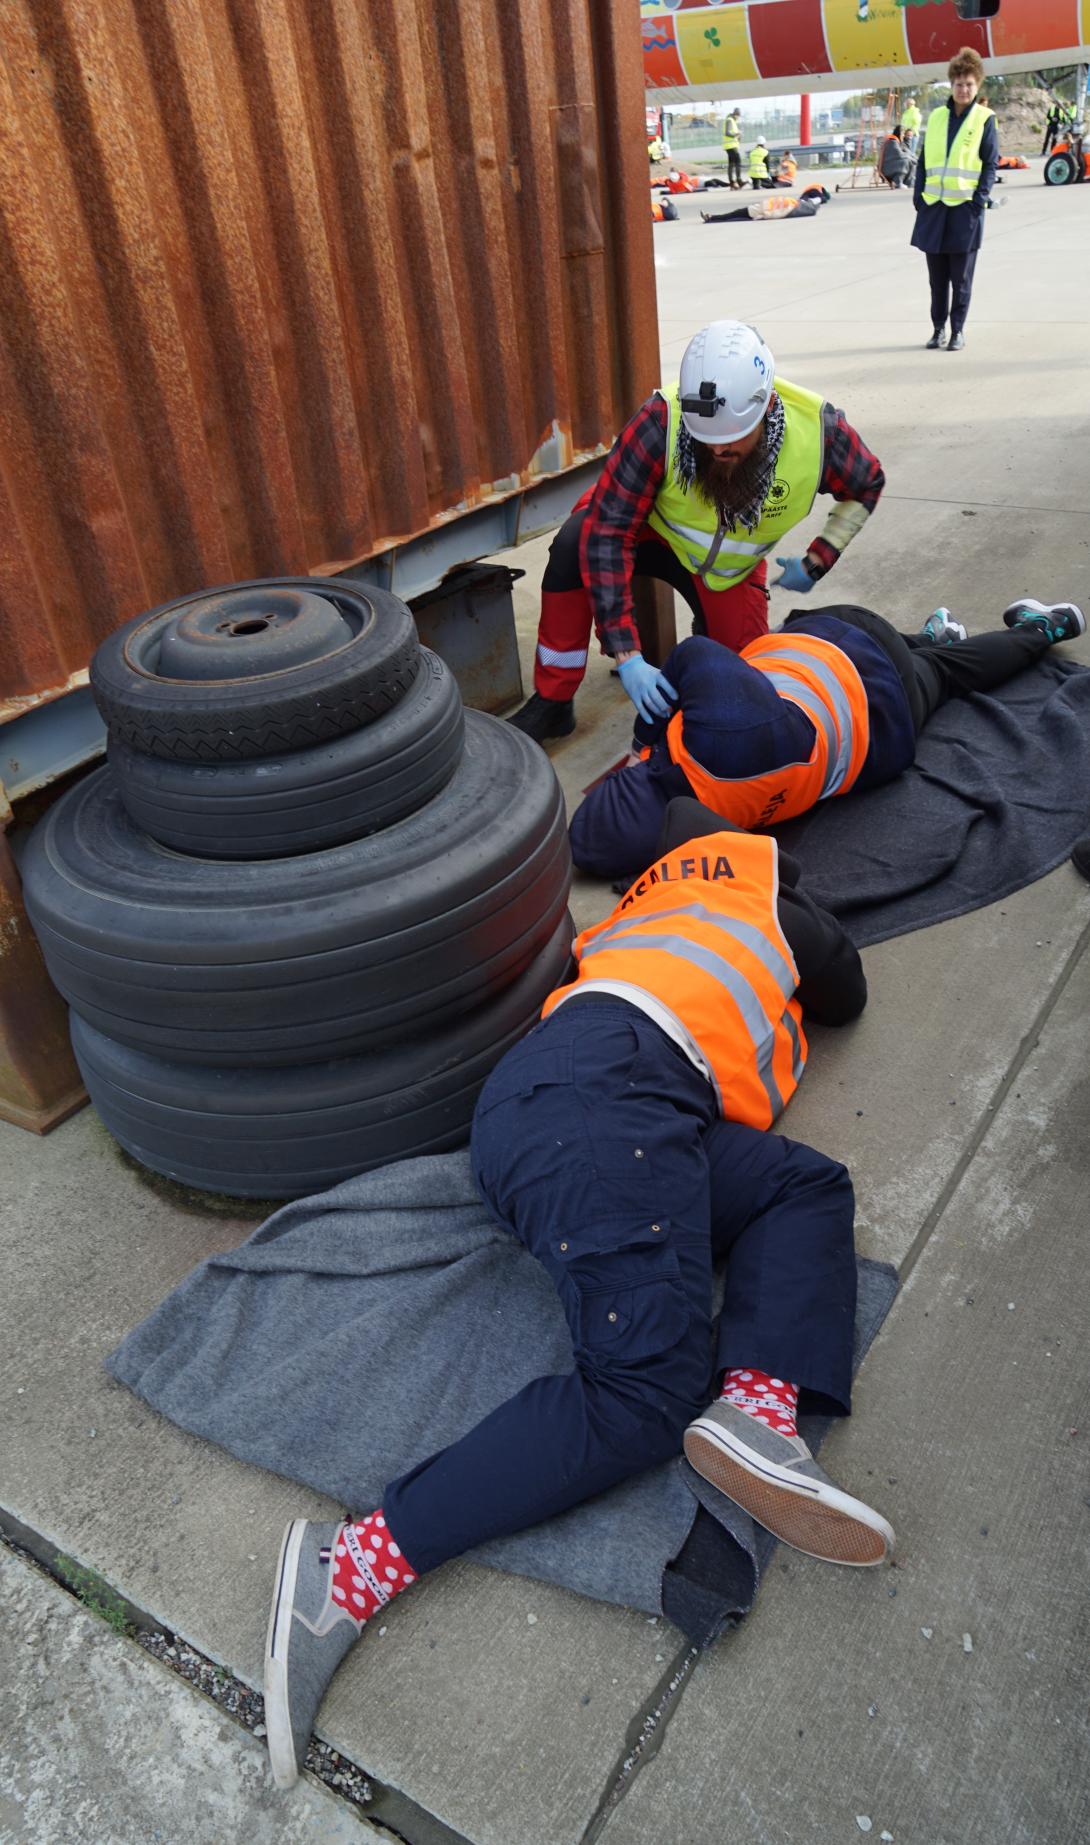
{"x": 731, "y": 487}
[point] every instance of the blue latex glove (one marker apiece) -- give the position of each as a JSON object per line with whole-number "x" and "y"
{"x": 650, "y": 691}
{"x": 793, "y": 576}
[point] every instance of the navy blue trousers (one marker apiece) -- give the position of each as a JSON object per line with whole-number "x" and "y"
{"x": 950, "y": 273}
{"x": 598, "y": 1144}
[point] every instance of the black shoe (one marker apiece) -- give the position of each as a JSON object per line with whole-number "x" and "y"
{"x": 542, "y": 718}
{"x": 938, "y": 338}
{"x": 1080, "y": 856}
{"x": 957, "y": 341}
{"x": 1061, "y": 621}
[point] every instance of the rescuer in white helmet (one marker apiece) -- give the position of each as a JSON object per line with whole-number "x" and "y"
{"x": 702, "y": 484}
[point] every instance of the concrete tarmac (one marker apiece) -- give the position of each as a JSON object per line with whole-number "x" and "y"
{"x": 941, "y": 1702}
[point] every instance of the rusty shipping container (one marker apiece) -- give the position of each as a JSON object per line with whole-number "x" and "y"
{"x": 287, "y": 283}
{"x": 286, "y": 286}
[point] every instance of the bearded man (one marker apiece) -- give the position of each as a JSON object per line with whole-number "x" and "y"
{"x": 703, "y": 482}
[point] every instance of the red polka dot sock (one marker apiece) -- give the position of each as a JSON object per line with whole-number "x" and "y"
{"x": 770, "y": 1400}
{"x": 369, "y": 1568}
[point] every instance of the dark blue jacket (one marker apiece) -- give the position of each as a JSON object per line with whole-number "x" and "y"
{"x": 952, "y": 229}
{"x": 736, "y": 724}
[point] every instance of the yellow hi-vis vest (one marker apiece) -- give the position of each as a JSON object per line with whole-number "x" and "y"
{"x": 758, "y": 163}
{"x": 911, "y": 119}
{"x": 730, "y": 134}
{"x": 723, "y": 555}
{"x": 700, "y": 933}
{"x": 952, "y": 178}
{"x": 826, "y": 685}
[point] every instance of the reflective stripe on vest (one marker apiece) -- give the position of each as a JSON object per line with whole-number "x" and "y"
{"x": 826, "y": 685}
{"x": 719, "y": 555}
{"x": 700, "y": 933}
{"x": 952, "y": 175}
{"x": 758, "y": 163}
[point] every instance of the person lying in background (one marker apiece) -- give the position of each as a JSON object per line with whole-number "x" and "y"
{"x": 760, "y": 211}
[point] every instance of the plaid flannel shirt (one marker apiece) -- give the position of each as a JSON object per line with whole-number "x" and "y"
{"x": 625, "y": 493}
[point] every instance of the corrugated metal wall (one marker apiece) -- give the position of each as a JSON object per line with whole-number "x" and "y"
{"x": 284, "y": 282}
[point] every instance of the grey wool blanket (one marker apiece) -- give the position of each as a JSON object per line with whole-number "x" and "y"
{"x": 402, "y": 1279}
{"x": 997, "y": 796}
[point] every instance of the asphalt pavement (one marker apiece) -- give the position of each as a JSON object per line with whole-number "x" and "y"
{"x": 940, "y": 1702}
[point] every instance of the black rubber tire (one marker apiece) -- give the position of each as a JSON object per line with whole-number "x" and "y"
{"x": 256, "y": 707}
{"x": 283, "y": 1133}
{"x": 1060, "y": 169}
{"x": 311, "y": 799}
{"x": 296, "y": 960}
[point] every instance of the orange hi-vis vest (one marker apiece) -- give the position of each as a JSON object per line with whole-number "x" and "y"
{"x": 822, "y": 680}
{"x": 700, "y": 934}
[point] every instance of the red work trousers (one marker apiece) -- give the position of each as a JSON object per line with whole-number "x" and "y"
{"x": 734, "y": 616}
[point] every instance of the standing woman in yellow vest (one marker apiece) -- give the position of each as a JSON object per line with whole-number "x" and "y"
{"x": 703, "y": 483}
{"x": 732, "y": 137}
{"x": 954, "y": 177}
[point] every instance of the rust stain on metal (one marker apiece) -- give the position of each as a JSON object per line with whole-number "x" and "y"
{"x": 286, "y": 282}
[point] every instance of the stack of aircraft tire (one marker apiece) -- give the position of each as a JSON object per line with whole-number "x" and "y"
{"x": 308, "y": 903}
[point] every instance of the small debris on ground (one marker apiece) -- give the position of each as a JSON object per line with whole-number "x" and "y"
{"x": 864, "y": 1822}
{"x": 248, "y": 1707}
{"x": 966, "y": 1643}
{"x": 927, "y": 1632}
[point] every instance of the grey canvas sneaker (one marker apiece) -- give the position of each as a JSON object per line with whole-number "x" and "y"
{"x": 776, "y": 1480}
{"x": 309, "y": 1634}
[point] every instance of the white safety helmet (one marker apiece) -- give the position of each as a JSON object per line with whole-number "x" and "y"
{"x": 725, "y": 382}
{"x": 761, "y": 142}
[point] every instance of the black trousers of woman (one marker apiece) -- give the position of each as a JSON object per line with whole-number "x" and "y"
{"x": 951, "y": 276}
{"x": 934, "y": 671}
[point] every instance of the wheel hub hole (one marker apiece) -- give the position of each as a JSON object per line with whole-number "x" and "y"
{"x": 254, "y": 626}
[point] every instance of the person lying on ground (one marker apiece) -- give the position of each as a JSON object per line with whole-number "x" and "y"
{"x": 624, "y": 1142}
{"x": 702, "y": 483}
{"x": 760, "y": 211}
{"x": 677, "y": 180}
{"x": 833, "y": 701}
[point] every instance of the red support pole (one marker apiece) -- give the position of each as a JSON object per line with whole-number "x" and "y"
{"x": 804, "y": 121}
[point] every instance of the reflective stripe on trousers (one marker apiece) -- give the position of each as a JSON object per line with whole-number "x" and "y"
{"x": 552, "y": 656}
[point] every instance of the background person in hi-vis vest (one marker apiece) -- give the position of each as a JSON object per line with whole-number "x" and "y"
{"x": 910, "y": 124}
{"x": 832, "y": 703}
{"x": 732, "y": 147}
{"x": 624, "y": 1141}
{"x": 702, "y": 484}
{"x": 954, "y": 176}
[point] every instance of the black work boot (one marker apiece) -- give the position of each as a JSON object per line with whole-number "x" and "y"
{"x": 543, "y": 718}
{"x": 938, "y": 338}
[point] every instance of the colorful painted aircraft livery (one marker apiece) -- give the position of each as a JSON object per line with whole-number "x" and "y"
{"x": 694, "y": 48}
